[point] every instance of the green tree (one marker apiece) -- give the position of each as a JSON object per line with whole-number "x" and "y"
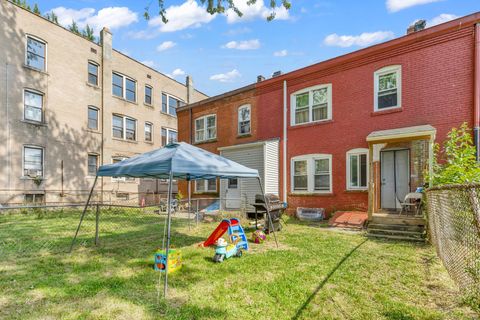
{"x": 88, "y": 33}
{"x": 36, "y": 10}
{"x": 52, "y": 17}
{"x": 458, "y": 162}
{"x": 74, "y": 28}
{"x": 220, "y": 6}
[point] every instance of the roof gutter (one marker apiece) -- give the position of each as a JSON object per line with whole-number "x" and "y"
{"x": 476, "y": 94}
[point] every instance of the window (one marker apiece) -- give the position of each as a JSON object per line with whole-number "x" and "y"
{"x": 206, "y": 128}
{"x": 34, "y": 198}
{"x": 312, "y": 104}
{"x": 388, "y": 88}
{"x": 33, "y": 106}
{"x": 92, "y": 118}
{"x": 148, "y": 95}
{"x": 118, "y": 159}
{"x": 244, "y": 120}
{"x": 93, "y": 73}
{"x": 148, "y": 131}
{"x": 124, "y": 87}
{"x": 312, "y": 173}
{"x": 92, "y": 164}
{"x": 170, "y": 104}
{"x": 32, "y": 161}
{"x": 36, "y": 53}
{"x": 168, "y": 136}
{"x": 357, "y": 169}
{"x": 124, "y": 128}
{"x": 164, "y": 103}
{"x": 202, "y": 186}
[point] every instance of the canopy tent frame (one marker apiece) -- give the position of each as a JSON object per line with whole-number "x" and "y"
{"x": 171, "y": 176}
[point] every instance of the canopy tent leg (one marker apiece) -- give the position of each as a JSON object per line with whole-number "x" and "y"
{"x": 267, "y": 207}
{"x": 83, "y": 214}
{"x": 189, "y": 201}
{"x": 169, "y": 220}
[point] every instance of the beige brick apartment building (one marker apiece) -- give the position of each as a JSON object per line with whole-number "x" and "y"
{"x": 69, "y": 105}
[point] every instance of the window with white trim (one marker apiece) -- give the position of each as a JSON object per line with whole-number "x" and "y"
{"x": 33, "y": 105}
{"x": 148, "y": 95}
{"x": 92, "y": 118}
{"x": 357, "y": 169}
{"x": 170, "y": 104}
{"x": 311, "y": 104}
{"x": 36, "y": 53}
{"x": 124, "y": 127}
{"x": 312, "y": 173}
{"x": 206, "y": 128}
{"x": 116, "y": 160}
{"x": 388, "y": 88}
{"x": 32, "y": 161}
{"x": 203, "y": 186}
{"x": 124, "y": 87}
{"x": 168, "y": 136}
{"x": 92, "y": 165}
{"x": 244, "y": 119}
{"x": 93, "y": 73}
{"x": 148, "y": 131}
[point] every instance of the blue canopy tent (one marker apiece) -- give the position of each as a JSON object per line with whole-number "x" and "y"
{"x": 175, "y": 161}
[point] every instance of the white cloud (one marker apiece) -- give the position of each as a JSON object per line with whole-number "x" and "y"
{"x": 397, "y": 5}
{"x": 149, "y": 63}
{"x": 362, "y": 40}
{"x": 176, "y": 73}
{"x": 255, "y": 11}
{"x": 166, "y": 45}
{"x": 143, "y": 34}
{"x": 235, "y": 32}
{"x": 243, "y": 45}
{"x": 281, "y": 53}
{"x": 187, "y": 15}
{"x": 444, "y": 17}
{"x": 111, "y": 17}
{"x": 226, "y": 77}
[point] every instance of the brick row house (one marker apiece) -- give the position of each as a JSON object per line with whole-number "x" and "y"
{"x": 352, "y": 132}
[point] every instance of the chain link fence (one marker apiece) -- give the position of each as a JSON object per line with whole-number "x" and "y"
{"x": 454, "y": 222}
{"x": 40, "y": 229}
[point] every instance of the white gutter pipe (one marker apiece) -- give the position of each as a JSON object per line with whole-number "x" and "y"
{"x": 285, "y": 140}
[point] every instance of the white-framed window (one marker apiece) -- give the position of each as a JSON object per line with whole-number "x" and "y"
{"x": 206, "y": 128}
{"x": 36, "y": 53}
{"x": 203, "y": 186}
{"x": 33, "y": 158}
{"x": 311, "y": 104}
{"x": 357, "y": 169}
{"x": 312, "y": 173}
{"x": 148, "y": 131}
{"x": 34, "y": 198}
{"x": 92, "y": 164}
{"x": 32, "y": 105}
{"x": 92, "y": 118}
{"x": 118, "y": 159}
{"x": 168, "y": 136}
{"x": 148, "y": 95}
{"x": 388, "y": 88}
{"x": 124, "y": 87}
{"x": 244, "y": 119}
{"x": 93, "y": 73}
{"x": 170, "y": 104}
{"x": 124, "y": 127}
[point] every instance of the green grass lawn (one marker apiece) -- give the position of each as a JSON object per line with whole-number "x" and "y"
{"x": 317, "y": 273}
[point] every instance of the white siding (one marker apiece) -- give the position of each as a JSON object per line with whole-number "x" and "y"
{"x": 252, "y": 157}
{"x": 271, "y": 166}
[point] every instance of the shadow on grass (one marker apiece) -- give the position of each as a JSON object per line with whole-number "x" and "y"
{"x": 322, "y": 284}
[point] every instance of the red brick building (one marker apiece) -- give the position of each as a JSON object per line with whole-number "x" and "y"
{"x": 353, "y": 132}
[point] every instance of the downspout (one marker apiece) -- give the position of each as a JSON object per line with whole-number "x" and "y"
{"x": 9, "y": 160}
{"x": 476, "y": 96}
{"x": 285, "y": 140}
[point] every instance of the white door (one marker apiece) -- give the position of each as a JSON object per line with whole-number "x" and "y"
{"x": 395, "y": 177}
{"x": 232, "y": 194}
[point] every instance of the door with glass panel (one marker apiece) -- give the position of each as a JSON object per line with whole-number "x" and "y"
{"x": 232, "y": 194}
{"x": 395, "y": 178}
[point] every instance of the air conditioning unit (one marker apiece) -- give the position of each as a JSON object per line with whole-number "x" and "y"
{"x": 33, "y": 173}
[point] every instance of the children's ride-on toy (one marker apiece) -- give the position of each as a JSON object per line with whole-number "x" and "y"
{"x": 225, "y": 250}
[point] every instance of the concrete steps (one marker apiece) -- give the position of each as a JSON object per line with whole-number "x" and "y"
{"x": 396, "y": 231}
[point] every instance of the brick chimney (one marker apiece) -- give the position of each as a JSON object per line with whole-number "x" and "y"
{"x": 417, "y": 26}
{"x": 260, "y": 78}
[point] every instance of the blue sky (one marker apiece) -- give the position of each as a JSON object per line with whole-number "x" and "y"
{"x": 222, "y": 53}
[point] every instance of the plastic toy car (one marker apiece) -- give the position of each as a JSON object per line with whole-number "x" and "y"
{"x": 224, "y": 250}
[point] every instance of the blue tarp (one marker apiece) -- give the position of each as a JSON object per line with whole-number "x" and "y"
{"x": 184, "y": 160}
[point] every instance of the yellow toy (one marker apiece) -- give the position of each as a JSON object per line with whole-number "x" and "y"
{"x": 174, "y": 260}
